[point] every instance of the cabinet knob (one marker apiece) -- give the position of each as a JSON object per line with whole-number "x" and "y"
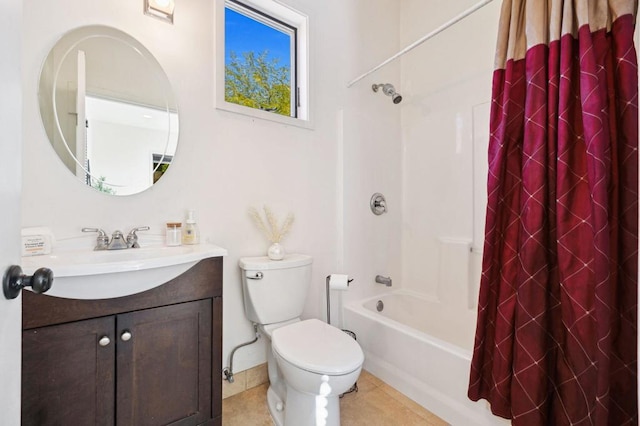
{"x": 104, "y": 341}
{"x": 125, "y": 336}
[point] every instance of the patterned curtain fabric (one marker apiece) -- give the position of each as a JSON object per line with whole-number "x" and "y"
{"x": 557, "y": 317}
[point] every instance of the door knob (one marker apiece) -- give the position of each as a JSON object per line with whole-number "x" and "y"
{"x": 14, "y": 281}
{"x": 126, "y": 335}
{"x": 104, "y": 341}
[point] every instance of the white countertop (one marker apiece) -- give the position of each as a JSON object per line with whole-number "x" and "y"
{"x": 82, "y": 273}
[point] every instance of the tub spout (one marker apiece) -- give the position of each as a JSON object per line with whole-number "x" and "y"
{"x": 383, "y": 280}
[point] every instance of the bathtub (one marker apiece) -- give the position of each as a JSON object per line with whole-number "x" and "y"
{"x": 423, "y": 349}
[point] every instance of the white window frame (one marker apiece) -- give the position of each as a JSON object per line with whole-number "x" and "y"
{"x": 284, "y": 13}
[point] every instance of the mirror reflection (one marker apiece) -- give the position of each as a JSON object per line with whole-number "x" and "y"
{"x": 108, "y": 110}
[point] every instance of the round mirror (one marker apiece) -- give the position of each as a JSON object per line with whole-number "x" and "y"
{"x": 108, "y": 110}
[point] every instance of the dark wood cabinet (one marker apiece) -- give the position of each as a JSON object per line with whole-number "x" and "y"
{"x": 67, "y": 376}
{"x": 153, "y": 358}
{"x": 164, "y": 365}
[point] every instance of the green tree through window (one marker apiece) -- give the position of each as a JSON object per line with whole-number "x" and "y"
{"x": 255, "y": 81}
{"x": 260, "y": 59}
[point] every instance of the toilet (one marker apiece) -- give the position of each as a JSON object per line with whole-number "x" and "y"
{"x": 310, "y": 363}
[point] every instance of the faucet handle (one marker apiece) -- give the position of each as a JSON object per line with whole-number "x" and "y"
{"x": 101, "y": 233}
{"x": 102, "y": 240}
{"x": 132, "y": 237}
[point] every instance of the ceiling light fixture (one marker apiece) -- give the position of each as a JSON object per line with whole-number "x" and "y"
{"x": 161, "y": 9}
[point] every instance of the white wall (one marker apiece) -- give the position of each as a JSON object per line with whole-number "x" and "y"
{"x": 371, "y": 154}
{"x": 447, "y": 85}
{"x": 226, "y": 162}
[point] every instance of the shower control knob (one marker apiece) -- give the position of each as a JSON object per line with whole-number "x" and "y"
{"x": 378, "y": 204}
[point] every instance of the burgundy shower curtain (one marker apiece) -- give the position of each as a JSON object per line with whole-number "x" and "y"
{"x": 557, "y": 316}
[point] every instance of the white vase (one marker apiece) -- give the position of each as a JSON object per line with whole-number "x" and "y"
{"x": 276, "y": 251}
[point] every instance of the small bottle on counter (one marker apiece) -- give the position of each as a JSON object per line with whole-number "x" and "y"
{"x": 191, "y": 234}
{"x": 174, "y": 233}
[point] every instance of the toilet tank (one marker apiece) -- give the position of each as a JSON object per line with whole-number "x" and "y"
{"x": 275, "y": 290}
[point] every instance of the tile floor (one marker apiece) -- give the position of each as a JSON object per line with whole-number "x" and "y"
{"x": 375, "y": 404}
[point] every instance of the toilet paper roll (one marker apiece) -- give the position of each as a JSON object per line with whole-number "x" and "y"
{"x": 339, "y": 282}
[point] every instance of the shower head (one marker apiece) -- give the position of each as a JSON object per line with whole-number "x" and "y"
{"x": 388, "y": 90}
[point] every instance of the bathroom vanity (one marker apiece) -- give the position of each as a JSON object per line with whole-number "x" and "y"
{"x": 150, "y": 358}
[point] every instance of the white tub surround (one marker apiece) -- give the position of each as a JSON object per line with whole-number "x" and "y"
{"x": 423, "y": 349}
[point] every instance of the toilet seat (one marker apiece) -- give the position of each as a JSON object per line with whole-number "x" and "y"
{"x": 317, "y": 347}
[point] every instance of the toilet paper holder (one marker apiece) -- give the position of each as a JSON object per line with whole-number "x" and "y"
{"x": 354, "y": 388}
{"x": 349, "y": 280}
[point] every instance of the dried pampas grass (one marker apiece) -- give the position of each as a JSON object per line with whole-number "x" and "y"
{"x": 274, "y": 232}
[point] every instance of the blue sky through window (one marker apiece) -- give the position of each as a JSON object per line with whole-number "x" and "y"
{"x": 243, "y": 34}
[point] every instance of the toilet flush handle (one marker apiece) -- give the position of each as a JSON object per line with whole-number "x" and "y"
{"x": 257, "y": 276}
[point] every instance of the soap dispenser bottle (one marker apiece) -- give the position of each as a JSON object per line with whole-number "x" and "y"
{"x": 190, "y": 233}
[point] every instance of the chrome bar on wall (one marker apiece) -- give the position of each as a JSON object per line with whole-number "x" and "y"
{"x": 422, "y": 40}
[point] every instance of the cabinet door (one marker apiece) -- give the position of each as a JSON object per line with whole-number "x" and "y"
{"x": 163, "y": 364}
{"x": 67, "y": 373}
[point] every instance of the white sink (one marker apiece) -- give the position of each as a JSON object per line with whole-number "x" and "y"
{"x": 81, "y": 273}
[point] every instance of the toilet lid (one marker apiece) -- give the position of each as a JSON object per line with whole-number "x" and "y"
{"x": 317, "y": 347}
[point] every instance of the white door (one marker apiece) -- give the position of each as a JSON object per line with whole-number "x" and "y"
{"x": 10, "y": 186}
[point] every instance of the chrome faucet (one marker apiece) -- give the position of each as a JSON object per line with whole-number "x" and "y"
{"x": 132, "y": 237}
{"x": 383, "y": 280}
{"x": 118, "y": 240}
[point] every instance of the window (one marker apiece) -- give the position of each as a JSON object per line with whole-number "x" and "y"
{"x": 160, "y": 164}
{"x": 263, "y": 71}
{"x": 259, "y": 60}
